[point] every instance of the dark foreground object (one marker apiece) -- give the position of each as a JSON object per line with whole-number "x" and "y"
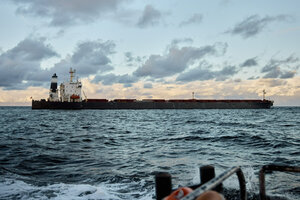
{"x": 163, "y": 181}
{"x": 167, "y": 104}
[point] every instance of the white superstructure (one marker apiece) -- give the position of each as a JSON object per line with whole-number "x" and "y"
{"x": 70, "y": 91}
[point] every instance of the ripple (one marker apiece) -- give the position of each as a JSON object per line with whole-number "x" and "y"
{"x": 123, "y": 146}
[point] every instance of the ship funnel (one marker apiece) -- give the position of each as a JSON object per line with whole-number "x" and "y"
{"x": 53, "y": 86}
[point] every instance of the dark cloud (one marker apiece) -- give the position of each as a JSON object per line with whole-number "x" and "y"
{"x": 274, "y": 73}
{"x": 249, "y": 62}
{"x": 130, "y": 59}
{"x": 204, "y": 72}
{"x": 225, "y": 73}
{"x": 175, "y": 42}
{"x": 31, "y": 50}
{"x": 196, "y": 74}
{"x": 287, "y": 74}
{"x": 66, "y": 12}
{"x": 90, "y": 57}
{"x": 109, "y": 79}
{"x": 195, "y": 19}
{"x": 281, "y": 68}
{"x": 177, "y": 60}
{"x": 148, "y": 85}
{"x": 150, "y": 17}
{"x": 255, "y": 24}
{"x": 273, "y": 82}
{"x": 20, "y": 66}
{"x": 253, "y": 78}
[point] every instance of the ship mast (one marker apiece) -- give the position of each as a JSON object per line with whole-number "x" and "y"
{"x": 264, "y": 94}
{"x": 72, "y": 72}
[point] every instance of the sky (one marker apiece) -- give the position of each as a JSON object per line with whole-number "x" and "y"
{"x": 141, "y": 49}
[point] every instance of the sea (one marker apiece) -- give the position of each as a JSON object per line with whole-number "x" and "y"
{"x": 115, "y": 154}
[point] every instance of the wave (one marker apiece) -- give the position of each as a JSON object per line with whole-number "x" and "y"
{"x": 18, "y": 189}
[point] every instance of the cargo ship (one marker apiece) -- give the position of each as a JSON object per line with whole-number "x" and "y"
{"x": 69, "y": 96}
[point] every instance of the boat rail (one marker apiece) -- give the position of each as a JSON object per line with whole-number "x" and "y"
{"x": 217, "y": 181}
{"x": 269, "y": 168}
{"x": 163, "y": 181}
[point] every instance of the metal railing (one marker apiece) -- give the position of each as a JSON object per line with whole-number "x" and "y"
{"x": 269, "y": 168}
{"x": 217, "y": 181}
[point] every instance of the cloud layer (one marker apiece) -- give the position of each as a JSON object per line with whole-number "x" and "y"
{"x": 66, "y": 12}
{"x": 89, "y": 58}
{"x": 177, "y": 60}
{"x": 109, "y": 79}
{"x": 250, "y": 62}
{"x": 195, "y": 19}
{"x": 22, "y": 64}
{"x": 204, "y": 72}
{"x": 284, "y": 69}
{"x": 150, "y": 17}
{"x": 254, "y": 24}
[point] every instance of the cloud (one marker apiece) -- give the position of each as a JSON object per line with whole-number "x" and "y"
{"x": 177, "y": 60}
{"x": 20, "y": 66}
{"x": 195, "y": 19}
{"x": 249, "y": 62}
{"x": 253, "y": 78}
{"x": 148, "y": 85}
{"x": 89, "y": 58}
{"x": 128, "y": 56}
{"x": 203, "y": 72}
{"x": 272, "y": 82}
{"x": 178, "y": 41}
{"x": 130, "y": 59}
{"x": 66, "y": 12}
{"x": 281, "y": 68}
{"x": 288, "y": 74}
{"x": 255, "y": 24}
{"x": 109, "y": 79}
{"x": 150, "y": 17}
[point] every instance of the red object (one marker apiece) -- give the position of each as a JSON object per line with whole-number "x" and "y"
{"x": 74, "y": 96}
{"x": 179, "y": 193}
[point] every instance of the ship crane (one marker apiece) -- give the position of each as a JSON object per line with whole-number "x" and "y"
{"x": 84, "y": 95}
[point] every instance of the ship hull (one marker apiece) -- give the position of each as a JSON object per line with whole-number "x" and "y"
{"x": 199, "y": 104}
{"x": 56, "y": 105}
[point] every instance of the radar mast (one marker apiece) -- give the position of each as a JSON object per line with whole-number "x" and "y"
{"x": 72, "y": 72}
{"x": 264, "y": 94}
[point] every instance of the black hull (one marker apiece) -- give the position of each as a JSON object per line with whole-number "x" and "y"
{"x": 218, "y": 104}
{"x": 56, "y": 105}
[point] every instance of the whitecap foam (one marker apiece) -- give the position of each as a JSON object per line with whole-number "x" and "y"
{"x": 17, "y": 189}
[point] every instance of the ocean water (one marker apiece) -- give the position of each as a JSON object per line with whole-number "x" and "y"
{"x": 114, "y": 154}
